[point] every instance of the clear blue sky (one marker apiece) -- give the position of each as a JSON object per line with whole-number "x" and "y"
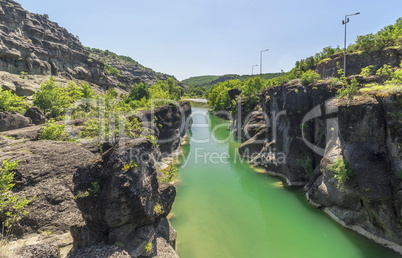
{"x": 188, "y": 38}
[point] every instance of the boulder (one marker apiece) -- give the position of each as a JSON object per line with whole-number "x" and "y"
{"x": 36, "y": 115}
{"x": 13, "y": 120}
{"x": 45, "y": 172}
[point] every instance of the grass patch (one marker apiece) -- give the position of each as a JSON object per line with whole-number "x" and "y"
{"x": 381, "y": 90}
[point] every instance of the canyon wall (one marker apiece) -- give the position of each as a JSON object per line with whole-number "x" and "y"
{"x": 347, "y": 153}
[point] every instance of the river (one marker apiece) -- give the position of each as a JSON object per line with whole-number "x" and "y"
{"x": 225, "y": 208}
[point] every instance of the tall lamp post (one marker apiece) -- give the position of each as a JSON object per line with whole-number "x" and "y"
{"x": 344, "y": 22}
{"x": 252, "y": 69}
{"x": 261, "y": 59}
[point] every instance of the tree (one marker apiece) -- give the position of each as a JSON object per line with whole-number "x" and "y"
{"x": 54, "y": 99}
{"x": 139, "y": 91}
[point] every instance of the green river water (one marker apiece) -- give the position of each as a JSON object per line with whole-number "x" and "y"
{"x": 224, "y": 208}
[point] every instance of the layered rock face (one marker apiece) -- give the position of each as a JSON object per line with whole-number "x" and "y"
{"x": 32, "y": 44}
{"x": 305, "y": 131}
{"x": 355, "y": 62}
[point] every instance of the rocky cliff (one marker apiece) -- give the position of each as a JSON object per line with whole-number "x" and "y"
{"x": 112, "y": 201}
{"x": 356, "y": 61}
{"x": 120, "y": 197}
{"x": 345, "y": 152}
{"x": 31, "y": 44}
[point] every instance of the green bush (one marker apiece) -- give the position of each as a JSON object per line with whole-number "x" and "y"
{"x": 109, "y": 123}
{"x": 169, "y": 174}
{"x": 368, "y": 70}
{"x": 148, "y": 248}
{"x": 53, "y": 131}
{"x": 9, "y": 101}
{"x": 309, "y": 77}
{"x": 218, "y": 97}
{"x": 396, "y": 77}
{"x": 385, "y": 71}
{"x": 23, "y": 75}
{"x": 54, "y": 100}
{"x": 158, "y": 210}
{"x": 350, "y": 88}
{"x": 111, "y": 70}
{"x": 342, "y": 172}
{"x": 11, "y": 205}
{"x": 139, "y": 91}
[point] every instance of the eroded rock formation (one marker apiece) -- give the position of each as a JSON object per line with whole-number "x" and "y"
{"x": 305, "y": 130}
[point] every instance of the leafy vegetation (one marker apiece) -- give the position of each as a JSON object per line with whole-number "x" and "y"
{"x": 148, "y": 248}
{"x": 128, "y": 166}
{"x": 385, "y": 71}
{"x": 350, "y": 87}
{"x": 9, "y": 101}
{"x": 158, "y": 210}
{"x": 23, "y": 75}
{"x": 54, "y": 100}
{"x": 169, "y": 174}
{"x": 309, "y": 77}
{"x": 95, "y": 189}
{"x": 108, "y": 56}
{"x": 310, "y": 62}
{"x": 368, "y": 70}
{"x": 160, "y": 93}
{"x": 200, "y": 85}
{"x": 199, "y": 81}
{"x": 110, "y": 116}
{"x": 219, "y": 99}
{"x": 342, "y": 172}
{"x": 390, "y": 36}
{"x": 53, "y": 131}
{"x": 111, "y": 70}
{"x": 12, "y": 207}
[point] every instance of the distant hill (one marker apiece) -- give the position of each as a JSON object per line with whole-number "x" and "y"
{"x": 209, "y": 80}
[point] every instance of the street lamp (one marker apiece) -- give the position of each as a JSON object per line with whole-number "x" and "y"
{"x": 252, "y": 69}
{"x": 344, "y": 22}
{"x": 261, "y": 59}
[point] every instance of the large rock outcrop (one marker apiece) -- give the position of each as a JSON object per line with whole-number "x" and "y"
{"x": 120, "y": 197}
{"x": 357, "y": 61}
{"x": 32, "y": 44}
{"x": 308, "y": 132}
{"x": 168, "y": 124}
{"x": 13, "y": 120}
{"x": 45, "y": 171}
{"x": 121, "y": 200}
